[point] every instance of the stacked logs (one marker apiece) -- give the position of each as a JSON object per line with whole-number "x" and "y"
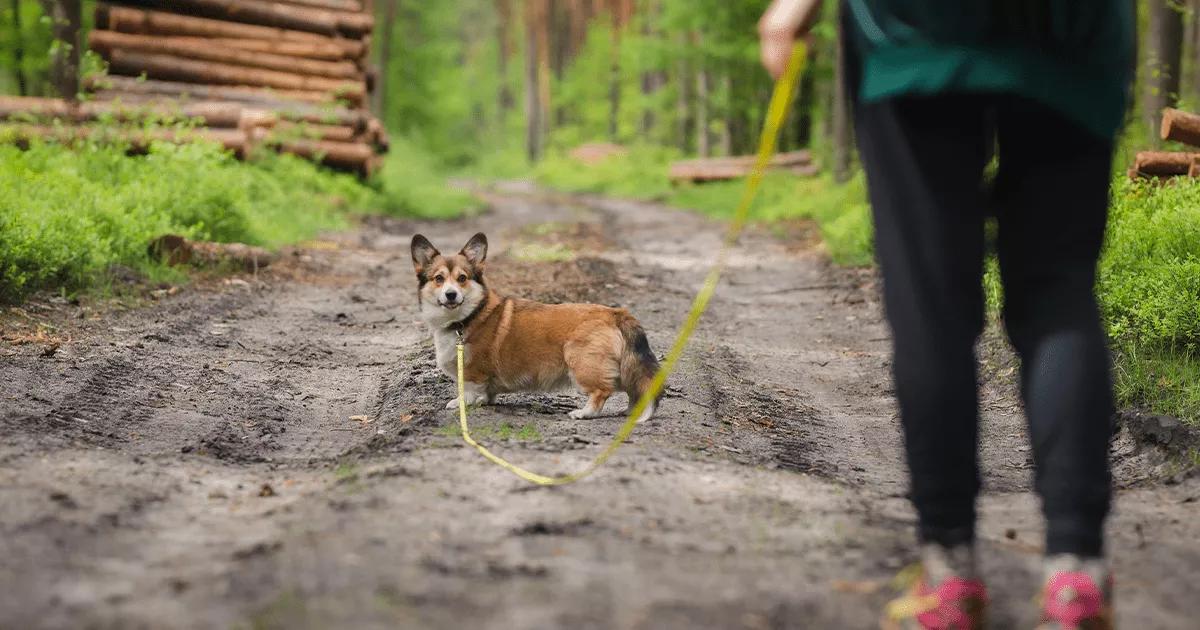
{"x": 738, "y": 166}
{"x": 286, "y": 75}
{"x": 1179, "y": 126}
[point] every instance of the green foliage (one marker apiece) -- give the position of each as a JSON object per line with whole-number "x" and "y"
{"x": 503, "y": 431}
{"x": 1149, "y": 278}
{"x": 411, "y": 184}
{"x": 640, "y": 173}
{"x": 35, "y": 39}
{"x": 67, "y": 215}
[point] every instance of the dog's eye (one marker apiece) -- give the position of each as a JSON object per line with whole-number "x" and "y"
{"x": 462, "y": 279}
{"x": 439, "y": 279}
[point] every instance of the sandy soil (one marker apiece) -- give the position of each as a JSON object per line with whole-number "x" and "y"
{"x": 272, "y": 451}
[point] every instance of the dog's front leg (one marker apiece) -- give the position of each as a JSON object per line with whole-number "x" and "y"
{"x": 476, "y": 394}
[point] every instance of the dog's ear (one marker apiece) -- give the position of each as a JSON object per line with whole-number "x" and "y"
{"x": 476, "y": 249}
{"x": 423, "y": 252}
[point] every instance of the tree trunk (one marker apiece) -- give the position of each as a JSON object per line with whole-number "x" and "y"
{"x": 703, "y": 143}
{"x": 840, "y": 118}
{"x": 729, "y": 117}
{"x": 805, "y": 101}
{"x": 533, "y": 102}
{"x": 1164, "y": 43}
{"x": 504, "y": 96}
{"x": 105, "y": 42}
{"x": 683, "y": 109}
{"x": 1180, "y": 126}
{"x": 385, "y": 57}
{"x": 18, "y": 50}
{"x": 266, "y": 13}
{"x": 128, "y": 20}
{"x": 340, "y": 5}
{"x": 173, "y": 68}
{"x": 65, "y": 17}
{"x": 1193, "y": 40}
{"x": 614, "y": 80}
{"x": 320, "y": 51}
{"x": 543, "y": 73}
{"x": 1163, "y": 162}
{"x": 652, "y": 80}
{"x": 128, "y": 87}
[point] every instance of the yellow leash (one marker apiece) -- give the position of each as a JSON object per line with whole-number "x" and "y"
{"x": 781, "y": 99}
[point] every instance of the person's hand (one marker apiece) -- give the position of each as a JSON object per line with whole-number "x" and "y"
{"x": 781, "y": 24}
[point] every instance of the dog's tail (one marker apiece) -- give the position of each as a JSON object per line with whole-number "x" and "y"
{"x": 638, "y": 363}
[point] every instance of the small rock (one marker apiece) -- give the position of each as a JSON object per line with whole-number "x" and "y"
{"x": 266, "y": 490}
{"x": 64, "y": 500}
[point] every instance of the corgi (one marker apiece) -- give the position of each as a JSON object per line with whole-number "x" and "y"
{"x": 515, "y": 345}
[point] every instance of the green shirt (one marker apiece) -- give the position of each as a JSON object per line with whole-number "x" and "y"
{"x": 1076, "y": 56}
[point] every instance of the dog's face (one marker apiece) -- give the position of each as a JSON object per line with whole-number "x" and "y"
{"x": 449, "y": 288}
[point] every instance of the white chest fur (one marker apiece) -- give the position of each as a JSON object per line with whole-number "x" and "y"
{"x": 445, "y": 341}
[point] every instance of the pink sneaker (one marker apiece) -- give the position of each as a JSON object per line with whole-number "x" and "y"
{"x": 1077, "y": 595}
{"x": 955, "y": 604}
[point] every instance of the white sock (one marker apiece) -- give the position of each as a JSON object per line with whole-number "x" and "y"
{"x": 942, "y": 562}
{"x": 1095, "y": 568}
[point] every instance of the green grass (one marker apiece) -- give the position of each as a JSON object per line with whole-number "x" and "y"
{"x": 71, "y": 215}
{"x": 505, "y": 431}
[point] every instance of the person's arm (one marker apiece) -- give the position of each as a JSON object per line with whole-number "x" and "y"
{"x": 781, "y": 24}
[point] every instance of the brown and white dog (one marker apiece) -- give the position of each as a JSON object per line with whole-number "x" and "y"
{"x": 521, "y": 345}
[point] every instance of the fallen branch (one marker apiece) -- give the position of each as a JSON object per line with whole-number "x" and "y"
{"x": 174, "y": 249}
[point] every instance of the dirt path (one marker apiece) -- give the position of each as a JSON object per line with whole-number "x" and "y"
{"x": 197, "y": 463}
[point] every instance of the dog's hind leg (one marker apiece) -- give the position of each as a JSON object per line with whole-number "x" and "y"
{"x": 595, "y": 404}
{"x": 593, "y": 365}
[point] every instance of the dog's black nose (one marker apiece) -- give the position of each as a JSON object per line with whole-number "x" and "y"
{"x": 451, "y": 295}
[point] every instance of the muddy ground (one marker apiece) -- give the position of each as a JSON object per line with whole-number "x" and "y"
{"x": 271, "y": 451}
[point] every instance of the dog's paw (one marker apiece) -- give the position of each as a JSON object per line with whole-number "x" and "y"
{"x": 453, "y": 404}
{"x": 580, "y": 414}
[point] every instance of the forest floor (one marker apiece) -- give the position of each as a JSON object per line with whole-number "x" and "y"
{"x": 272, "y": 451}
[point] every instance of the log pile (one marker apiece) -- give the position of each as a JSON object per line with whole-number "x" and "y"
{"x": 733, "y": 167}
{"x": 286, "y": 75}
{"x": 1178, "y": 126}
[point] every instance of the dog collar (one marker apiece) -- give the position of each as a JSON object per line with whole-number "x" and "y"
{"x": 460, "y": 327}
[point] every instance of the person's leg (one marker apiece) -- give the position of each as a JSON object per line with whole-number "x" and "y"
{"x": 1052, "y": 191}
{"x": 924, "y": 159}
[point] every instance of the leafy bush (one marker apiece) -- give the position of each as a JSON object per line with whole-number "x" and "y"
{"x": 67, "y": 215}
{"x": 1150, "y": 273}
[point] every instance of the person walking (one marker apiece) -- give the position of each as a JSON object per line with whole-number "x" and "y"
{"x": 940, "y": 89}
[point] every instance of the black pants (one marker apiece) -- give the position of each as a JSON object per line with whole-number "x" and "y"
{"x": 924, "y": 158}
